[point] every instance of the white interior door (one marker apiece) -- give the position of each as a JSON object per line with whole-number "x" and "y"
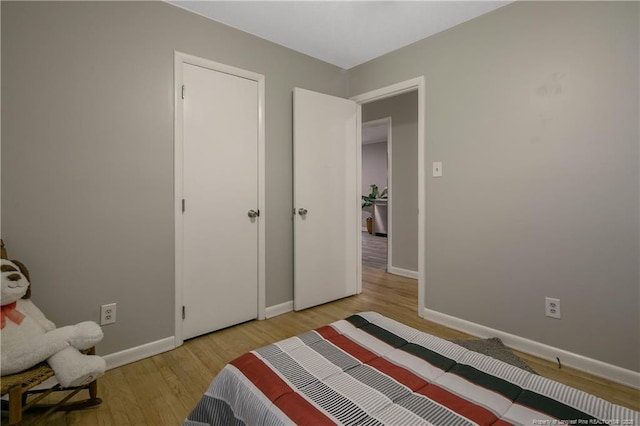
{"x": 220, "y": 187}
{"x": 326, "y": 204}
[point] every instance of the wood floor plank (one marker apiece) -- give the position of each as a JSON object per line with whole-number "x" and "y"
{"x": 122, "y": 404}
{"x": 163, "y": 389}
{"x": 144, "y": 390}
{"x": 374, "y": 251}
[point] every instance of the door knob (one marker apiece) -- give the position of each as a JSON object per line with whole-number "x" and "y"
{"x": 302, "y": 212}
{"x": 253, "y": 213}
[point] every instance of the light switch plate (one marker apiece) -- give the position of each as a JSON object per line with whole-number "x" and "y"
{"x": 437, "y": 168}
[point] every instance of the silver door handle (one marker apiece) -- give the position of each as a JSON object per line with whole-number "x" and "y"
{"x": 253, "y": 213}
{"x": 302, "y": 212}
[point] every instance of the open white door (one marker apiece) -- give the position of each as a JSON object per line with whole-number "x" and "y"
{"x": 326, "y": 204}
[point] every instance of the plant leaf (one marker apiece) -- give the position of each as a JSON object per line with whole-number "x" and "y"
{"x": 374, "y": 191}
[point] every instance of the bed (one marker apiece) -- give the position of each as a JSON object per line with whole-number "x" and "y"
{"x": 372, "y": 370}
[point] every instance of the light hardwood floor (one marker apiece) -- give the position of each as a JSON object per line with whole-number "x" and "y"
{"x": 163, "y": 389}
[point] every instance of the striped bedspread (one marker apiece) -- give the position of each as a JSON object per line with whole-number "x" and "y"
{"x": 371, "y": 370}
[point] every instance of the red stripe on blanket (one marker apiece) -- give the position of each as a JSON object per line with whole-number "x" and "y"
{"x": 327, "y": 332}
{"x": 352, "y": 348}
{"x": 412, "y": 381}
{"x": 296, "y": 407}
{"x": 465, "y": 408}
{"x": 262, "y": 376}
{"x": 400, "y": 374}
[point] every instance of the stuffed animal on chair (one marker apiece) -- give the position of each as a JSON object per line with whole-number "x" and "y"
{"x": 29, "y": 338}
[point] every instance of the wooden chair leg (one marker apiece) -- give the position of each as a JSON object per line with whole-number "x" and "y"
{"x": 93, "y": 390}
{"x": 93, "y": 386}
{"x": 15, "y": 405}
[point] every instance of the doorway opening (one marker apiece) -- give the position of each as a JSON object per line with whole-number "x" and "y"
{"x": 376, "y": 189}
{"x": 406, "y": 218}
{"x": 390, "y": 159}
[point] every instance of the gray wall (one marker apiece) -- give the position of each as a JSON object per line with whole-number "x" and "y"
{"x": 403, "y": 110}
{"x": 87, "y": 153}
{"x": 374, "y": 166}
{"x": 533, "y": 110}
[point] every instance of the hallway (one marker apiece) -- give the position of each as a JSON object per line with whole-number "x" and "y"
{"x": 374, "y": 251}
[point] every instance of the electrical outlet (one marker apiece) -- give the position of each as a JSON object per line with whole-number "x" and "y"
{"x": 107, "y": 314}
{"x": 552, "y": 307}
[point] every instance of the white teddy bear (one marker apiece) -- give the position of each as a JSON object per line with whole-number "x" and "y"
{"x": 28, "y": 337}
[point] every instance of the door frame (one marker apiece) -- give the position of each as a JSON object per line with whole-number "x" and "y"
{"x": 400, "y": 88}
{"x": 388, "y": 121}
{"x": 180, "y": 59}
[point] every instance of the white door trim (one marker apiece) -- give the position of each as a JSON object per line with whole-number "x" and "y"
{"x": 388, "y": 121}
{"x": 180, "y": 59}
{"x": 400, "y": 88}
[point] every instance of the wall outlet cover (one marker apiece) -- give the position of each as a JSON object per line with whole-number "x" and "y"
{"x": 108, "y": 314}
{"x": 552, "y": 307}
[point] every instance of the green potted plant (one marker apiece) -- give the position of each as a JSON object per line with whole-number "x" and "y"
{"x": 368, "y": 200}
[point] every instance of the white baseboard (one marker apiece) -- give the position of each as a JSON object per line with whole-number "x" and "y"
{"x": 403, "y": 272}
{"x": 283, "y": 308}
{"x": 137, "y": 353}
{"x": 579, "y": 362}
